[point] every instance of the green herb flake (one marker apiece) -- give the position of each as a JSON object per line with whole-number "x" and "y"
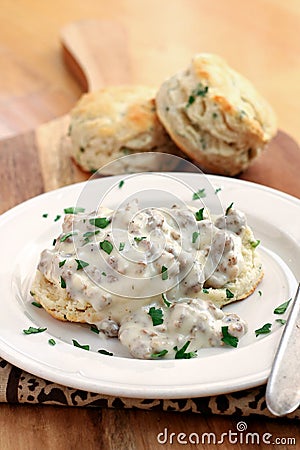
{"x": 199, "y": 91}
{"x": 281, "y": 309}
{"x": 89, "y": 234}
{"x": 281, "y": 321}
{"x": 76, "y": 344}
{"x": 45, "y": 215}
{"x": 260, "y": 293}
{"x": 94, "y": 329}
{"x": 67, "y": 236}
{"x": 164, "y": 273}
{"x": 205, "y": 291}
{"x": 61, "y": 263}
{"x": 159, "y": 354}
{"x": 103, "y": 273}
{"x": 214, "y": 115}
{"x": 54, "y": 242}
{"x": 218, "y": 190}
{"x": 228, "y": 208}
{"x": 182, "y": 354}
{"x": 81, "y": 264}
{"x": 265, "y": 329}
{"x": 32, "y": 330}
{"x": 74, "y": 210}
{"x": 51, "y": 342}
{"x": 254, "y": 244}
{"x": 62, "y": 283}
{"x": 32, "y": 293}
{"x": 121, "y": 246}
{"x": 36, "y": 304}
{"x": 121, "y": 184}
{"x": 229, "y": 294}
{"x": 57, "y": 218}
{"x": 199, "y": 214}
{"x": 156, "y": 316}
{"x": 106, "y": 246}
{"x": 228, "y": 339}
{"x": 165, "y": 300}
{"x": 199, "y": 194}
{"x": 139, "y": 239}
{"x": 195, "y": 236}
{"x": 100, "y": 222}
{"x": 105, "y": 352}
{"x": 190, "y": 101}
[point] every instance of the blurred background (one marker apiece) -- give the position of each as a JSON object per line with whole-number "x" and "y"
{"x": 259, "y": 38}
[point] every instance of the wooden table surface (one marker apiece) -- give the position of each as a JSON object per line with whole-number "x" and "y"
{"x": 260, "y": 38}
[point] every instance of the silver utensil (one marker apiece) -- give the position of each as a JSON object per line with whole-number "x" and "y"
{"x": 283, "y": 387}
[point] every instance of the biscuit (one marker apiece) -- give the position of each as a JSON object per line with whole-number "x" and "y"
{"x": 215, "y": 115}
{"x": 113, "y": 122}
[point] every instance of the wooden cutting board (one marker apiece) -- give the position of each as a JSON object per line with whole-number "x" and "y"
{"x": 97, "y": 54}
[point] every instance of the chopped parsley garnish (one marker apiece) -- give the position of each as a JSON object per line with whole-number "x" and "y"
{"x": 51, "y": 342}
{"x": 45, "y": 215}
{"x": 32, "y": 293}
{"x": 121, "y": 246}
{"x": 81, "y": 264}
{"x": 156, "y": 316}
{"x": 62, "y": 283}
{"x": 199, "y": 214}
{"x": 214, "y": 115}
{"x": 74, "y": 210}
{"x": 218, "y": 190}
{"x": 195, "y": 236}
{"x": 228, "y": 339}
{"x": 255, "y": 244}
{"x": 228, "y": 209}
{"x": 54, "y": 242}
{"x": 103, "y": 273}
{"x": 182, "y": 354}
{"x": 260, "y": 293}
{"x": 265, "y": 329}
{"x": 106, "y": 246}
{"x": 164, "y": 273}
{"x": 199, "y": 194}
{"x": 61, "y": 263}
{"x": 121, "y": 184}
{"x": 205, "y": 291}
{"x": 199, "y": 91}
{"x": 67, "y": 235}
{"x": 89, "y": 234}
{"x": 159, "y": 354}
{"x": 281, "y": 321}
{"x": 139, "y": 239}
{"x": 100, "y": 222}
{"x": 57, "y": 218}
{"x": 76, "y": 344}
{"x": 105, "y": 352}
{"x": 281, "y": 309}
{"x": 166, "y": 301}
{"x": 94, "y": 329}
{"x": 229, "y": 294}
{"x": 32, "y": 330}
{"x": 36, "y": 304}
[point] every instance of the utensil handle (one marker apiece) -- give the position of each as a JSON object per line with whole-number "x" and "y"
{"x": 93, "y": 59}
{"x": 283, "y": 387}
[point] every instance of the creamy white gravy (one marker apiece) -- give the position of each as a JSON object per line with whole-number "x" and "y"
{"x": 121, "y": 262}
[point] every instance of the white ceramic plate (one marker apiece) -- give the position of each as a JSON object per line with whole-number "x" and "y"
{"x": 273, "y": 216}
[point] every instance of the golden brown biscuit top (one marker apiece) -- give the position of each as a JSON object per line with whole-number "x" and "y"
{"x": 234, "y": 95}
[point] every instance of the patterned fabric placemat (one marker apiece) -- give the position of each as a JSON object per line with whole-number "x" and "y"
{"x": 17, "y": 386}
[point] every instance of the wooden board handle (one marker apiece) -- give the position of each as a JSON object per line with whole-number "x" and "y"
{"x": 93, "y": 59}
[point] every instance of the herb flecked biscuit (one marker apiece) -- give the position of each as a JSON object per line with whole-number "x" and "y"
{"x": 113, "y": 122}
{"x": 215, "y": 115}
